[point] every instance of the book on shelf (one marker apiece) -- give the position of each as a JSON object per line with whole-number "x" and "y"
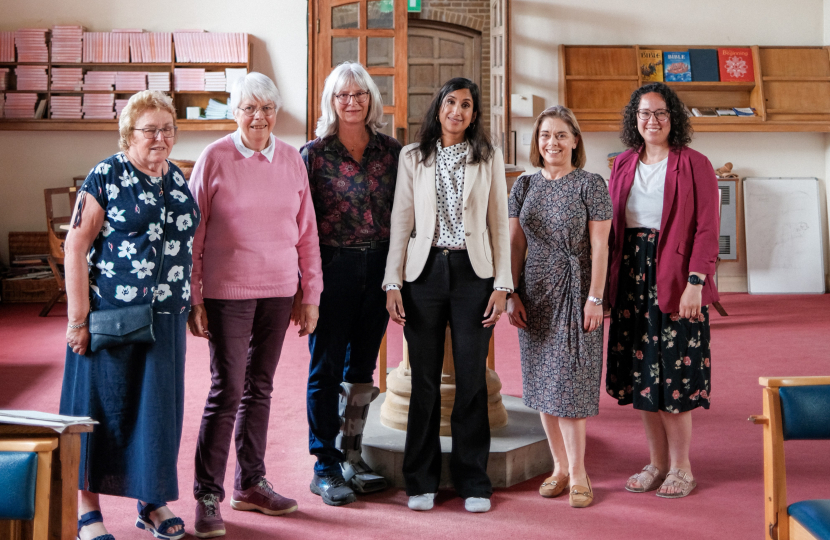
{"x": 704, "y": 64}
{"x": 57, "y": 422}
{"x": 736, "y": 65}
{"x": 706, "y": 112}
{"x": 651, "y": 65}
{"x": 726, "y": 112}
{"x": 744, "y": 111}
{"x": 676, "y": 67}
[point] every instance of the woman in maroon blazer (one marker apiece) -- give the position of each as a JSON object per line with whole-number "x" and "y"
{"x": 663, "y": 248}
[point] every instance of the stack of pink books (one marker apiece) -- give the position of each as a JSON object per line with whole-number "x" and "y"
{"x": 119, "y": 106}
{"x": 107, "y": 47}
{"x": 2, "y": 105}
{"x": 197, "y": 46}
{"x": 4, "y": 78}
{"x": 129, "y": 81}
{"x": 99, "y": 80}
{"x": 65, "y": 107}
{"x": 31, "y": 45}
{"x": 67, "y": 44}
{"x": 215, "y": 81}
{"x": 99, "y": 106}
{"x": 67, "y": 79}
{"x": 158, "y": 81}
{"x": 151, "y": 47}
{"x": 31, "y": 78}
{"x": 20, "y": 106}
{"x": 189, "y": 79}
{"x": 6, "y": 46}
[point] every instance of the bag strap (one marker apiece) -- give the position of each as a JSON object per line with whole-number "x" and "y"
{"x": 163, "y": 237}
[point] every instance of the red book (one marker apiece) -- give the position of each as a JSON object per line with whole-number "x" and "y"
{"x": 736, "y": 65}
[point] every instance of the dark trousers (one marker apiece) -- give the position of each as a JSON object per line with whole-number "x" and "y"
{"x": 246, "y": 338}
{"x": 344, "y": 346}
{"x": 448, "y": 290}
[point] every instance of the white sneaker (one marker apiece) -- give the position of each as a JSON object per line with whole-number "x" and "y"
{"x": 475, "y": 504}
{"x": 422, "y": 502}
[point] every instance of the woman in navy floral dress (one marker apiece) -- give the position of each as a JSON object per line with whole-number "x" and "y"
{"x": 131, "y": 206}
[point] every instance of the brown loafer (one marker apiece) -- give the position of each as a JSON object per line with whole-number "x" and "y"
{"x": 553, "y": 487}
{"x": 684, "y": 482}
{"x": 581, "y": 496}
{"x": 649, "y": 479}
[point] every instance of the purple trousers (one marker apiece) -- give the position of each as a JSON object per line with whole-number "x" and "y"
{"x": 246, "y": 338}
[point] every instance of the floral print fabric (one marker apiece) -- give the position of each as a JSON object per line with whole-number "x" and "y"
{"x": 141, "y": 211}
{"x": 353, "y": 201}
{"x": 657, "y": 361}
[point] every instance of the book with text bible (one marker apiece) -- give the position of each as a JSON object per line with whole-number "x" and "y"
{"x": 736, "y": 65}
{"x": 676, "y": 67}
{"x": 651, "y": 65}
{"x": 704, "y": 64}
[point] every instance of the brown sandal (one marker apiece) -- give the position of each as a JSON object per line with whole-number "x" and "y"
{"x": 553, "y": 487}
{"x": 581, "y": 496}
{"x": 684, "y": 482}
{"x": 649, "y": 478}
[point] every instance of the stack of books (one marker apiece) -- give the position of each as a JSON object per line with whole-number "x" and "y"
{"x": 119, "y": 106}
{"x": 6, "y": 46}
{"x": 198, "y": 46}
{"x": 67, "y": 79}
{"x": 67, "y": 44}
{"x": 151, "y": 47}
{"x": 216, "y": 110}
{"x": 31, "y": 45}
{"x": 99, "y": 106}
{"x": 129, "y": 81}
{"x": 20, "y": 106}
{"x": 215, "y": 81}
{"x": 159, "y": 81}
{"x": 4, "y": 78}
{"x": 189, "y": 79}
{"x": 31, "y": 78}
{"x": 65, "y": 107}
{"x": 99, "y": 80}
{"x": 2, "y": 105}
{"x": 108, "y": 47}
{"x": 29, "y": 267}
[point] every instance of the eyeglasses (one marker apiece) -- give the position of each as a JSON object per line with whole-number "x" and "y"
{"x": 345, "y": 98}
{"x": 151, "y": 133}
{"x": 267, "y": 110}
{"x": 644, "y": 114}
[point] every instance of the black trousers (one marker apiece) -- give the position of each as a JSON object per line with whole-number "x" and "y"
{"x": 448, "y": 290}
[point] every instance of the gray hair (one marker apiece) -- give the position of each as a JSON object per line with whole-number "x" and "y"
{"x": 344, "y": 74}
{"x": 257, "y": 87}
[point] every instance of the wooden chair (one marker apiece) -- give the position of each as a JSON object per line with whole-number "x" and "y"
{"x": 795, "y": 408}
{"x": 57, "y": 236}
{"x": 21, "y": 518}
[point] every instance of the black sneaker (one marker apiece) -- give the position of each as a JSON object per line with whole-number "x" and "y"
{"x": 333, "y": 490}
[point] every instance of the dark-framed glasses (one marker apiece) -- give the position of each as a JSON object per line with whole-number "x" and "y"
{"x": 344, "y": 98}
{"x": 267, "y": 110}
{"x": 151, "y": 133}
{"x": 661, "y": 115}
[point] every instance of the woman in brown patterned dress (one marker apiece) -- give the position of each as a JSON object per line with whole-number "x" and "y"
{"x": 561, "y": 217}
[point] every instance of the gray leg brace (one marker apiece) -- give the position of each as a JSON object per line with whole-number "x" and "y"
{"x": 354, "y": 408}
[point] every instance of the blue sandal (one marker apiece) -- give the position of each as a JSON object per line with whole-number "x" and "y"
{"x": 88, "y": 519}
{"x": 144, "y": 522}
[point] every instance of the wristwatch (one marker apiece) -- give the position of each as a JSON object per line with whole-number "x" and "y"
{"x": 694, "y": 280}
{"x": 595, "y": 300}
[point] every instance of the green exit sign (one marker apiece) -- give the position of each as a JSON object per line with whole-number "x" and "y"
{"x": 413, "y": 5}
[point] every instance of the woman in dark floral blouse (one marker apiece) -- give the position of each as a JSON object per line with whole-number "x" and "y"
{"x": 351, "y": 170}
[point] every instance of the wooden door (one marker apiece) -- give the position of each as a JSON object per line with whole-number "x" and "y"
{"x": 500, "y": 76}
{"x": 372, "y": 32}
{"x": 438, "y": 52}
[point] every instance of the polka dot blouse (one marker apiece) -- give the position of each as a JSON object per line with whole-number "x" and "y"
{"x": 449, "y": 187}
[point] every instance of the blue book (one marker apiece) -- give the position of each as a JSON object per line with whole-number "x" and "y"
{"x": 676, "y": 67}
{"x": 704, "y": 64}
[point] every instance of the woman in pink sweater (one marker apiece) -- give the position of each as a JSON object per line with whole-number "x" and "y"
{"x": 258, "y": 234}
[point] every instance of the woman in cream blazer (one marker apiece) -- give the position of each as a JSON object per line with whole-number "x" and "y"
{"x": 449, "y": 262}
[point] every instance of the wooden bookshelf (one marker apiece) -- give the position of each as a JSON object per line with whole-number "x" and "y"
{"x": 181, "y": 100}
{"x": 790, "y": 93}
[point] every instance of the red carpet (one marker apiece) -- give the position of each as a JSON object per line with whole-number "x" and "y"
{"x": 763, "y": 336}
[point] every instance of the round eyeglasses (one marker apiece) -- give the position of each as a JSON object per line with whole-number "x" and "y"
{"x": 661, "y": 115}
{"x": 250, "y": 110}
{"x": 345, "y": 98}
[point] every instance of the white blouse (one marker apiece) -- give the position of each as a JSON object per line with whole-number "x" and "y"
{"x": 449, "y": 187}
{"x": 644, "y": 207}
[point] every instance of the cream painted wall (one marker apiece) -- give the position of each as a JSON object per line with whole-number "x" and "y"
{"x": 31, "y": 161}
{"x": 539, "y": 27}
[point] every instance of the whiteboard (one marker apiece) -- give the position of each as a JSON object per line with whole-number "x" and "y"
{"x": 784, "y": 241}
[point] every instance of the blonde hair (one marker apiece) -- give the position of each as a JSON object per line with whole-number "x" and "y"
{"x": 344, "y": 74}
{"x": 578, "y": 157}
{"x": 140, "y": 103}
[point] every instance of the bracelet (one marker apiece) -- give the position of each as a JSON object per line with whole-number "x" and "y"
{"x": 76, "y": 326}
{"x": 596, "y": 301}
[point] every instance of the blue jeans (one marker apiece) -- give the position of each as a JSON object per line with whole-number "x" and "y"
{"x": 344, "y": 347}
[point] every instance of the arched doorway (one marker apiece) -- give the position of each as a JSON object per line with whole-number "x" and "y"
{"x": 438, "y": 52}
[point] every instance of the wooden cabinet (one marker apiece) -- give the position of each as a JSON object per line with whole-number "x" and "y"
{"x": 181, "y": 100}
{"x": 791, "y": 90}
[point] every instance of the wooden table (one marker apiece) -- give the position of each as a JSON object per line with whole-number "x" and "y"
{"x": 63, "y": 506}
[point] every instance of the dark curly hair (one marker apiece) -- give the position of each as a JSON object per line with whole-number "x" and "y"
{"x": 681, "y": 127}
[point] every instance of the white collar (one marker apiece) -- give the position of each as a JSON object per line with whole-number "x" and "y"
{"x": 268, "y": 152}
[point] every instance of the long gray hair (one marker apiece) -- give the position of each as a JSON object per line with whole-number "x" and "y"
{"x": 343, "y": 75}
